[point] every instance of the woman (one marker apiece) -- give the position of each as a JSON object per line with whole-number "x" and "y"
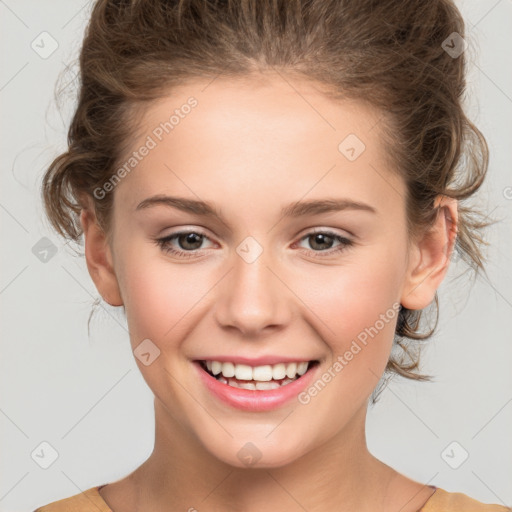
{"x": 271, "y": 191}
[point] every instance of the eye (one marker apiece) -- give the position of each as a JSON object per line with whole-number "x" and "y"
{"x": 322, "y": 240}
{"x": 189, "y": 241}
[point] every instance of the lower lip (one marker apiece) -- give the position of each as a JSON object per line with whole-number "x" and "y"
{"x": 255, "y": 400}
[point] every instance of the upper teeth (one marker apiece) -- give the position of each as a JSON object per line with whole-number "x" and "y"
{"x": 261, "y": 373}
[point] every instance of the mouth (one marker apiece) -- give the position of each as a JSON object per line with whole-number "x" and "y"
{"x": 257, "y": 378}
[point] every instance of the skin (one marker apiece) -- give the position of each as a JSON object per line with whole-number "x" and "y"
{"x": 250, "y": 148}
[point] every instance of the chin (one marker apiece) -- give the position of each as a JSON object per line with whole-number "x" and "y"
{"x": 257, "y": 452}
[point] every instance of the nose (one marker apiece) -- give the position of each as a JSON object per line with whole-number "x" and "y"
{"x": 253, "y": 298}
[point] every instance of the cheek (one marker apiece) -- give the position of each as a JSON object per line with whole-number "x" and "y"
{"x": 357, "y": 307}
{"x": 159, "y": 295}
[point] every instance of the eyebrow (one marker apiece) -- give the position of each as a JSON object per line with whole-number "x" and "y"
{"x": 296, "y": 209}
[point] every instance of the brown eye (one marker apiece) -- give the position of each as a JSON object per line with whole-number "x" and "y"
{"x": 321, "y": 243}
{"x": 190, "y": 241}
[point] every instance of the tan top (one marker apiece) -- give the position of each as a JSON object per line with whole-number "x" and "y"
{"x": 441, "y": 501}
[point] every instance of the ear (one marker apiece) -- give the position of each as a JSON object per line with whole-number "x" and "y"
{"x": 429, "y": 257}
{"x": 99, "y": 258}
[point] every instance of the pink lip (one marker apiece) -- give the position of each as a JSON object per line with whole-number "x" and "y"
{"x": 255, "y": 361}
{"x": 255, "y": 401}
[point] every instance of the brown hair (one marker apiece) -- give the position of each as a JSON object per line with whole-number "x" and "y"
{"x": 387, "y": 53}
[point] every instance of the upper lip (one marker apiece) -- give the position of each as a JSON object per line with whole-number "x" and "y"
{"x": 256, "y": 361}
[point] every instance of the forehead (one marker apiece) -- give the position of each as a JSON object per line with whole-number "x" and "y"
{"x": 274, "y": 103}
{"x": 271, "y": 134}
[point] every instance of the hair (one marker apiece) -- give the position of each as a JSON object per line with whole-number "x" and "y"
{"x": 388, "y": 54}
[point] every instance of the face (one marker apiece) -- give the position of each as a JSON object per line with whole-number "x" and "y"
{"x": 306, "y": 260}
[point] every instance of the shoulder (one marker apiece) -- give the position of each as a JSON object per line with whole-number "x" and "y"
{"x": 89, "y": 500}
{"x": 444, "y": 501}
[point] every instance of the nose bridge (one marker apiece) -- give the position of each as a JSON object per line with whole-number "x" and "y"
{"x": 252, "y": 297}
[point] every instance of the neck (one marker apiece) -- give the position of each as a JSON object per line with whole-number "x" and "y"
{"x": 340, "y": 474}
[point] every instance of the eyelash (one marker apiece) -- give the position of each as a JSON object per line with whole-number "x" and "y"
{"x": 163, "y": 243}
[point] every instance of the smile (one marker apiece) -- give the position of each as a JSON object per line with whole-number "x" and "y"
{"x": 255, "y": 378}
{"x": 261, "y": 378}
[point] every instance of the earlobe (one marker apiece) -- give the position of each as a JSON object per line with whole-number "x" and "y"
{"x": 99, "y": 259}
{"x": 430, "y": 257}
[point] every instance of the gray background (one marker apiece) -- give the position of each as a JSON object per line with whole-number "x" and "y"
{"x": 85, "y": 396}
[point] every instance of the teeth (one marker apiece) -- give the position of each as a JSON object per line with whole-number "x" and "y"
{"x": 302, "y": 368}
{"x": 279, "y": 371}
{"x": 216, "y": 367}
{"x": 291, "y": 370}
{"x": 261, "y": 374}
{"x": 242, "y": 372}
{"x": 264, "y": 386}
{"x": 259, "y": 386}
{"x": 228, "y": 370}
{"x": 247, "y": 385}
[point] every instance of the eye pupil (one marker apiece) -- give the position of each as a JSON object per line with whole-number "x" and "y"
{"x": 320, "y": 238}
{"x": 190, "y": 238}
